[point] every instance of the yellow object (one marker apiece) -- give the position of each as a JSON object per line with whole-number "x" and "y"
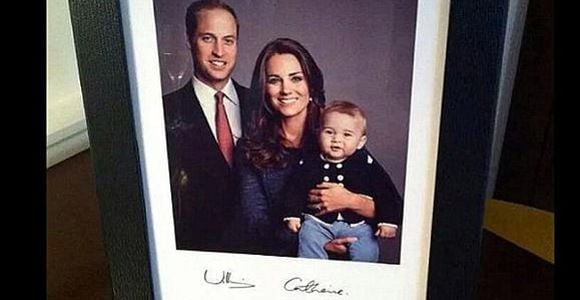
{"x": 529, "y": 228}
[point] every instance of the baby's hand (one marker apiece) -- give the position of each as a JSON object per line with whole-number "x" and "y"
{"x": 293, "y": 224}
{"x": 386, "y": 231}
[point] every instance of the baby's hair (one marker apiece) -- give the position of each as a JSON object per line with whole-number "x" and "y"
{"x": 345, "y": 107}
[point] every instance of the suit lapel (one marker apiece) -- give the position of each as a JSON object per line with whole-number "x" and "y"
{"x": 199, "y": 136}
{"x": 246, "y": 106}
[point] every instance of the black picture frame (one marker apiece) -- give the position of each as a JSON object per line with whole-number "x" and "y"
{"x": 101, "y": 57}
{"x": 473, "y": 65}
{"x": 473, "y": 60}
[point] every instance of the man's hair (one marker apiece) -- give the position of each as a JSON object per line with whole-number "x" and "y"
{"x": 345, "y": 107}
{"x": 196, "y": 7}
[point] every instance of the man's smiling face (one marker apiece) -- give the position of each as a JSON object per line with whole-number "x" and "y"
{"x": 214, "y": 47}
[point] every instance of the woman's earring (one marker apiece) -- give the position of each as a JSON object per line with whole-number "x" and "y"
{"x": 310, "y": 99}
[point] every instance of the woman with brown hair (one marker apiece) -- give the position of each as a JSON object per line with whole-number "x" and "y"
{"x": 290, "y": 87}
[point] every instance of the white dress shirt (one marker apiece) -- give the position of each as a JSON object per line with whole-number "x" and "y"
{"x": 206, "y": 96}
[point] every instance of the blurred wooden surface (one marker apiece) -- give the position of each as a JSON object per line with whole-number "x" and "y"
{"x": 76, "y": 264}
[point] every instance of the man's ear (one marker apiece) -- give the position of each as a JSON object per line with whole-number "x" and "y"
{"x": 361, "y": 142}
{"x": 190, "y": 41}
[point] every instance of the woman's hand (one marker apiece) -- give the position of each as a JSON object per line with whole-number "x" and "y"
{"x": 330, "y": 197}
{"x": 339, "y": 245}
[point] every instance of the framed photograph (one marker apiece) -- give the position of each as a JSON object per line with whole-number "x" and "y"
{"x": 373, "y": 69}
{"x": 388, "y": 57}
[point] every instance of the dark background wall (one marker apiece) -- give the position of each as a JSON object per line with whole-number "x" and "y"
{"x": 364, "y": 48}
{"x": 526, "y": 171}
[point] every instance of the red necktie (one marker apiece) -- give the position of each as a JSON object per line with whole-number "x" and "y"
{"x": 224, "y": 133}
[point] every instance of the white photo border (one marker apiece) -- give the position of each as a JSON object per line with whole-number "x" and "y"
{"x": 178, "y": 274}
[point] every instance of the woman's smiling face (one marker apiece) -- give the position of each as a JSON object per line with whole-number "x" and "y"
{"x": 286, "y": 86}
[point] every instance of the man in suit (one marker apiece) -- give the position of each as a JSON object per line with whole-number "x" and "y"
{"x": 201, "y": 133}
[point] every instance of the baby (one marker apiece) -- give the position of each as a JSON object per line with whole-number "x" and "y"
{"x": 342, "y": 160}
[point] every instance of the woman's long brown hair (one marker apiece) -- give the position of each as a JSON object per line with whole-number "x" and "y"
{"x": 262, "y": 145}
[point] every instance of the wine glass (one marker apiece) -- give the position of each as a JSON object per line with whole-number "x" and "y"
{"x": 175, "y": 68}
{"x": 175, "y": 60}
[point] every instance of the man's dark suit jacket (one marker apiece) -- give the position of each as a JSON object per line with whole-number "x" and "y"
{"x": 202, "y": 184}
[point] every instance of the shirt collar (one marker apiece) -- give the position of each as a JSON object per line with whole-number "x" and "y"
{"x": 357, "y": 155}
{"x": 208, "y": 92}
{"x": 323, "y": 158}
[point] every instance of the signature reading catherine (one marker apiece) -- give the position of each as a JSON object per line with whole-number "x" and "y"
{"x": 226, "y": 278}
{"x": 297, "y": 284}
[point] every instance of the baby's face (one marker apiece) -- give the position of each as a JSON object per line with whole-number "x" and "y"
{"x": 341, "y": 135}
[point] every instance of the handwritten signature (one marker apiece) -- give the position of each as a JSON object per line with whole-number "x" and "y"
{"x": 296, "y": 284}
{"x": 226, "y": 278}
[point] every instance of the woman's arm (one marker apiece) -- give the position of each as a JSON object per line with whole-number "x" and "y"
{"x": 254, "y": 218}
{"x": 332, "y": 197}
